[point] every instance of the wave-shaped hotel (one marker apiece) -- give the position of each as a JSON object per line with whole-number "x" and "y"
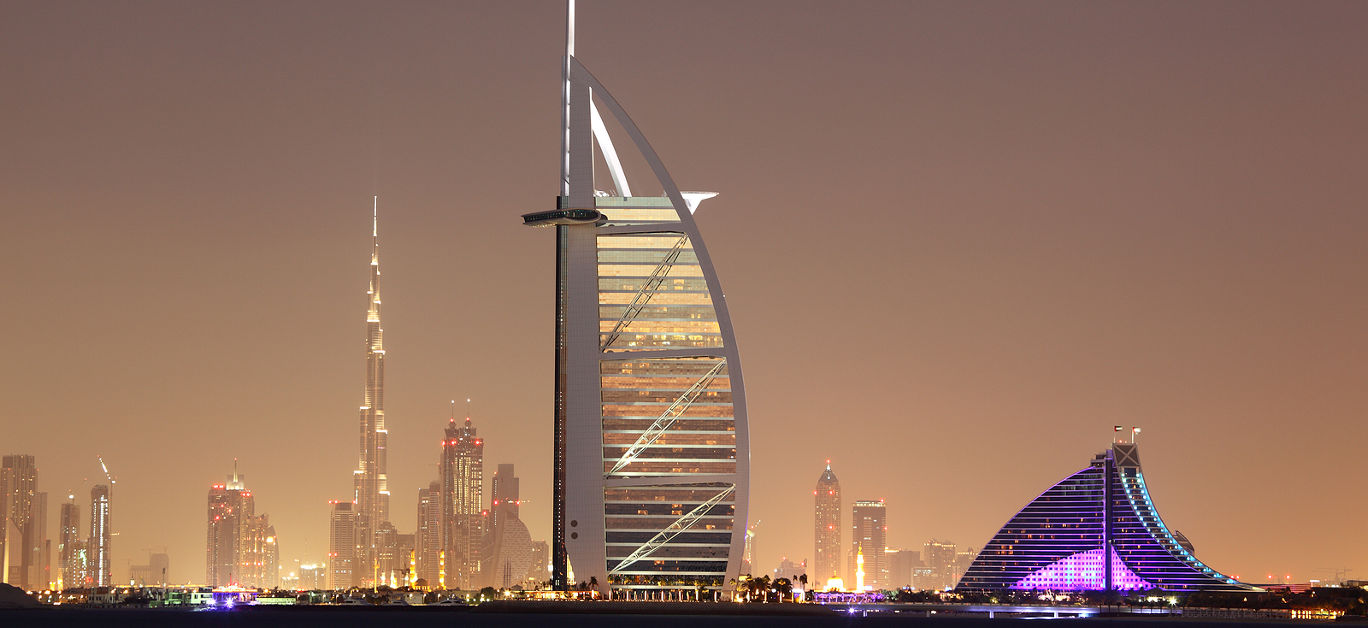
{"x": 651, "y": 455}
{"x": 1096, "y": 530}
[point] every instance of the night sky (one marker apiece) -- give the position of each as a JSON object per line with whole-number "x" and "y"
{"x": 960, "y": 241}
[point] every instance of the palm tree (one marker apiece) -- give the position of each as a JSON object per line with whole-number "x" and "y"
{"x": 784, "y": 587}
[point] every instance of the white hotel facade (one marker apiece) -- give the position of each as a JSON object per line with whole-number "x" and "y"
{"x": 651, "y": 443}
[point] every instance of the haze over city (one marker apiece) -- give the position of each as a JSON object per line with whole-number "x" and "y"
{"x": 959, "y": 241}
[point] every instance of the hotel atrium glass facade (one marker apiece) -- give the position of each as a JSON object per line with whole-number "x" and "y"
{"x": 651, "y": 461}
{"x": 1095, "y": 530}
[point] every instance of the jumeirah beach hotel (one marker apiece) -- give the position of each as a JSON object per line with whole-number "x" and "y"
{"x": 1096, "y": 530}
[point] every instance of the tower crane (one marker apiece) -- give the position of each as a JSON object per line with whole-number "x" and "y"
{"x": 112, "y": 482}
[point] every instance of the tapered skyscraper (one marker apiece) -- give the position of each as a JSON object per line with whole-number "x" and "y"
{"x": 826, "y": 529}
{"x": 651, "y": 466}
{"x": 372, "y": 485}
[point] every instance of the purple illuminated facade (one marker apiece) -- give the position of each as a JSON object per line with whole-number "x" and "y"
{"x": 1084, "y": 571}
{"x": 1096, "y": 530}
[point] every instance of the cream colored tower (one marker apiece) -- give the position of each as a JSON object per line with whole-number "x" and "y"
{"x": 371, "y": 482}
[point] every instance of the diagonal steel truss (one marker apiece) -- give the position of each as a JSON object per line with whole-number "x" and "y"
{"x": 667, "y": 418}
{"x": 668, "y": 534}
{"x": 643, "y": 296}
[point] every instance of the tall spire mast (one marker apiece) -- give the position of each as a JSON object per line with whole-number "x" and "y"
{"x": 570, "y": 28}
{"x": 565, "y": 96}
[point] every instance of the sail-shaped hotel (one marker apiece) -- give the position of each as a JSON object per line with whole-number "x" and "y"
{"x": 1096, "y": 530}
{"x": 651, "y": 453}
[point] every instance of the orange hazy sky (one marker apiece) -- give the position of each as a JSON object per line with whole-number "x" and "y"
{"x": 960, "y": 241}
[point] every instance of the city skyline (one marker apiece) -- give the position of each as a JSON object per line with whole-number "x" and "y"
{"x": 1038, "y": 242}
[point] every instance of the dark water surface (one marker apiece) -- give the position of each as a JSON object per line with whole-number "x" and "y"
{"x": 417, "y": 617}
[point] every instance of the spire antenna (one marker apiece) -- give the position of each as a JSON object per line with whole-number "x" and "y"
{"x": 570, "y": 28}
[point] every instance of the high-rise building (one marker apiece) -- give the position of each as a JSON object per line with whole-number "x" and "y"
{"x": 540, "y": 570}
{"x": 313, "y": 577}
{"x": 230, "y": 509}
{"x": 269, "y": 563}
{"x": 507, "y": 553}
{"x": 504, "y": 501}
{"x": 19, "y": 533}
{"x": 428, "y": 537}
{"x": 371, "y": 480}
{"x": 651, "y": 445}
{"x": 389, "y": 568}
{"x": 39, "y": 549}
{"x": 240, "y": 545}
{"x": 462, "y": 472}
{"x": 939, "y": 557}
{"x": 826, "y": 530}
{"x": 153, "y": 574}
{"x": 407, "y": 545}
{"x": 69, "y": 546}
{"x": 792, "y": 569}
{"x": 869, "y": 536}
{"x": 342, "y": 546}
{"x": 97, "y": 548}
{"x": 902, "y": 567}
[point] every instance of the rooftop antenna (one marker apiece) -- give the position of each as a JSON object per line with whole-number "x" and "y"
{"x": 453, "y": 410}
{"x": 468, "y": 399}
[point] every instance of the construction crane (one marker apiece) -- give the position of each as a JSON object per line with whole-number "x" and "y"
{"x": 109, "y": 477}
{"x": 112, "y": 482}
{"x": 1341, "y": 573}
